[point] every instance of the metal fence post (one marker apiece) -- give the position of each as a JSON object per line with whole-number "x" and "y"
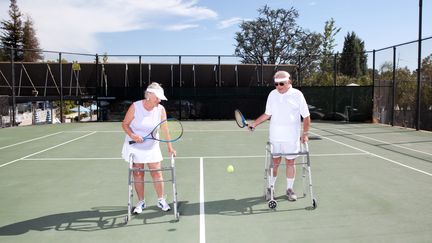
{"x": 334, "y": 84}
{"x": 219, "y": 72}
{"x": 61, "y": 87}
{"x": 140, "y": 78}
{"x": 13, "y": 86}
{"x": 180, "y": 73}
{"x": 419, "y": 65}
{"x": 393, "y": 87}
{"x": 373, "y": 82}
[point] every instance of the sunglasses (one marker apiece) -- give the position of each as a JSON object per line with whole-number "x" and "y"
{"x": 279, "y": 84}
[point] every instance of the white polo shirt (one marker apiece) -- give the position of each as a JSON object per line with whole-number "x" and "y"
{"x": 285, "y": 111}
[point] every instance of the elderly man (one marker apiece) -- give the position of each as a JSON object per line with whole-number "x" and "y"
{"x": 285, "y": 105}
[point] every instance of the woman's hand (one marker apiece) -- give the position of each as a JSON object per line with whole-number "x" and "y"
{"x": 172, "y": 151}
{"x": 136, "y": 138}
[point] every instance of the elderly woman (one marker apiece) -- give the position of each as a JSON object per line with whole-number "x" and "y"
{"x": 140, "y": 119}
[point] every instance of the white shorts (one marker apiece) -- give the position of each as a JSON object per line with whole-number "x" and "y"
{"x": 286, "y": 148}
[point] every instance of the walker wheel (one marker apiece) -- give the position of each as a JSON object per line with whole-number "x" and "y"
{"x": 272, "y": 204}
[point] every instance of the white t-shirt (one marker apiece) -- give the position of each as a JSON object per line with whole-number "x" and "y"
{"x": 285, "y": 111}
{"x": 143, "y": 123}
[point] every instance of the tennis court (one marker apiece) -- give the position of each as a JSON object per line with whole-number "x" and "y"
{"x": 67, "y": 183}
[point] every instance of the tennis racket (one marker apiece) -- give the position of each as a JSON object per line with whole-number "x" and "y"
{"x": 241, "y": 121}
{"x": 173, "y": 127}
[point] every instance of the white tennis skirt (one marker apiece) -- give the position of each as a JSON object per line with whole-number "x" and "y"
{"x": 142, "y": 155}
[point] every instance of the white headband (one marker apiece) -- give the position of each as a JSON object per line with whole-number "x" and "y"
{"x": 284, "y": 79}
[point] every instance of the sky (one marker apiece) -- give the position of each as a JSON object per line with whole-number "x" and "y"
{"x": 207, "y": 27}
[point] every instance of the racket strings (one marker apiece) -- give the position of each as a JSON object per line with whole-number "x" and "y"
{"x": 239, "y": 118}
{"x": 175, "y": 129}
{"x": 169, "y": 131}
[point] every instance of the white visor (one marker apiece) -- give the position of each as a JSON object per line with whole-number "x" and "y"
{"x": 158, "y": 92}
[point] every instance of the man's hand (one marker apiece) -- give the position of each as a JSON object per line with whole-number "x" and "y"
{"x": 304, "y": 137}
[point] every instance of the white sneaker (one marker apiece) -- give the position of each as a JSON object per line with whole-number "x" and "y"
{"x": 139, "y": 207}
{"x": 162, "y": 204}
{"x": 291, "y": 195}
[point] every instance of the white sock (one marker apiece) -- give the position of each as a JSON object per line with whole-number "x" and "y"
{"x": 290, "y": 183}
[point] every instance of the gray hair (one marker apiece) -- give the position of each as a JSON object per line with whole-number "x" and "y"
{"x": 281, "y": 75}
{"x": 152, "y": 85}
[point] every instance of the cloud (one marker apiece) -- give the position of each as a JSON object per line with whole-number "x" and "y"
{"x": 179, "y": 27}
{"x": 72, "y": 25}
{"x": 188, "y": 9}
{"x": 229, "y": 22}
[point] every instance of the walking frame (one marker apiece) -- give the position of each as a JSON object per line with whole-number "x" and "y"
{"x": 306, "y": 171}
{"x": 131, "y": 181}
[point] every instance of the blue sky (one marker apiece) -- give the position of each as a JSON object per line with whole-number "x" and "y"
{"x": 182, "y": 27}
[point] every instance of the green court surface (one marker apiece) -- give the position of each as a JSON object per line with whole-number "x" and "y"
{"x": 67, "y": 183}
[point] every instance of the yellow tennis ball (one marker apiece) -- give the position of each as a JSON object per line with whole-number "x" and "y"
{"x": 230, "y": 169}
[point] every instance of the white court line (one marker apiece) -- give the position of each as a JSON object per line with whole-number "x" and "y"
{"x": 201, "y": 199}
{"x": 384, "y": 142}
{"x": 225, "y": 130}
{"x": 198, "y": 157}
{"x": 58, "y": 145}
{"x": 29, "y": 140}
{"x": 378, "y": 156}
{"x": 72, "y": 159}
{"x": 262, "y": 156}
{"x": 185, "y": 130}
{"x": 86, "y": 131}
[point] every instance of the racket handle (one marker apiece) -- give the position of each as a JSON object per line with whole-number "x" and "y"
{"x": 132, "y": 142}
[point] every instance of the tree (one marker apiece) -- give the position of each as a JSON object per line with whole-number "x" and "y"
{"x": 328, "y": 45}
{"x": 308, "y": 53}
{"x": 3, "y": 50}
{"x": 426, "y": 83}
{"x": 12, "y": 34}
{"x": 30, "y": 42}
{"x": 275, "y": 38}
{"x": 353, "y": 60}
{"x": 426, "y": 69}
{"x": 386, "y": 71}
{"x": 405, "y": 88}
{"x": 326, "y": 62}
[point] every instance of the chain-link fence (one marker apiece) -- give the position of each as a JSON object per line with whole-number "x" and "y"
{"x": 402, "y": 95}
{"x": 69, "y": 87}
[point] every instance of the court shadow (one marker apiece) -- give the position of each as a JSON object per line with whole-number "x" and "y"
{"x": 226, "y": 207}
{"x": 240, "y": 207}
{"x": 111, "y": 217}
{"x": 101, "y": 218}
